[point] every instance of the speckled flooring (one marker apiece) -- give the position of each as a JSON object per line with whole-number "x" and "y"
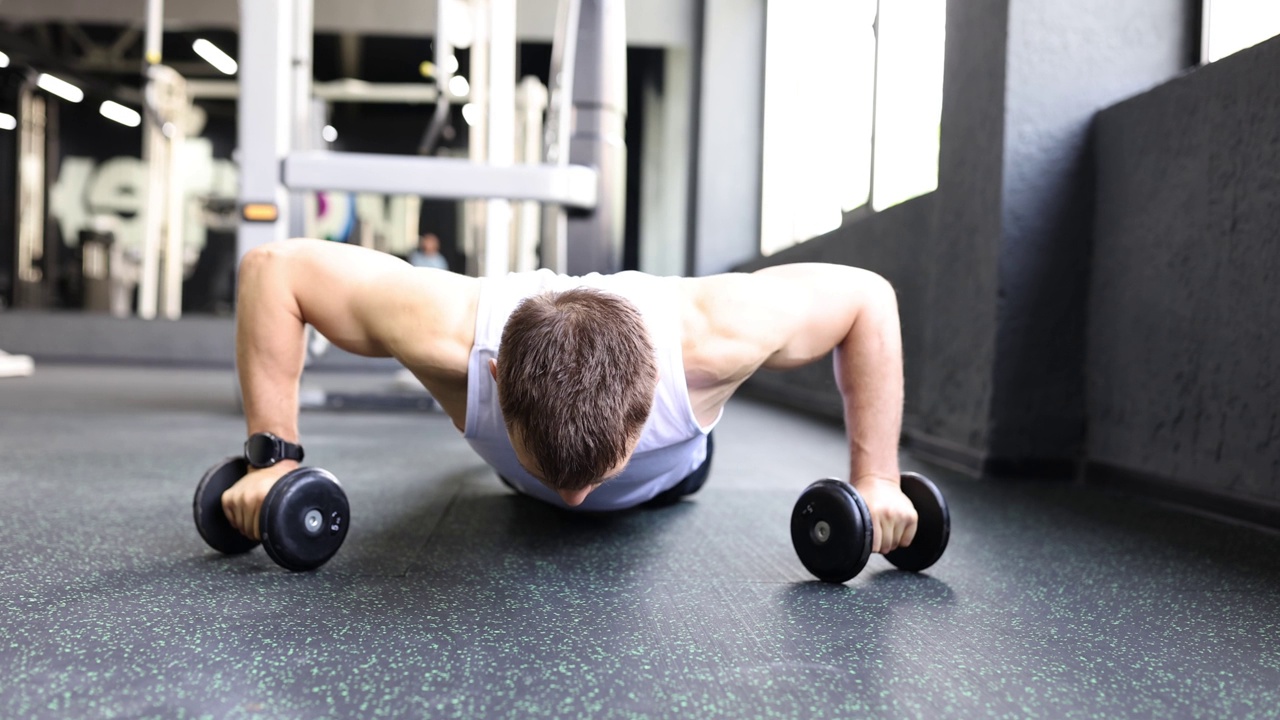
{"x": 453, "y": 598}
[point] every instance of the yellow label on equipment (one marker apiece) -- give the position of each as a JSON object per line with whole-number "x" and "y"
{"x": 260, "y": 212}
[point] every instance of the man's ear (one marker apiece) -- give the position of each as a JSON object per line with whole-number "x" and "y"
{"x": 493, "y": 368}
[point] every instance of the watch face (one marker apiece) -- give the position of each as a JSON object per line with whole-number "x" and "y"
{"x": 260, "y": 449}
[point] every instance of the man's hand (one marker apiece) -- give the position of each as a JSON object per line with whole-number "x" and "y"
{"x": 893, "y": 517}
{"x": 242, "y": 502}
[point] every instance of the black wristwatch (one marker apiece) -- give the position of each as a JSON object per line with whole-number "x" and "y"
{"x": 263, "y": 450}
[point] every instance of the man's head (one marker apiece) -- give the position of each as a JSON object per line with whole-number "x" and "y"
{"x": 576, "y": 376}
{"x": 429, "y": 244}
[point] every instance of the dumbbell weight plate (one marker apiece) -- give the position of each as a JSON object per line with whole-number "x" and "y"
{"x": 831, "y": 530}
{"x": 933, "y": 530}
{"x": 304, "y": 519}
{"x": 211, "y": 522}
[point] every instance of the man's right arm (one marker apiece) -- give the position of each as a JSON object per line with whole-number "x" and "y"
{"x": 786, "y": 316}
{"x": 365, "y": 302}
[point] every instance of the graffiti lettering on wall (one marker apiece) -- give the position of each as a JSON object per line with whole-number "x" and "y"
{"x": 110, "y": 195}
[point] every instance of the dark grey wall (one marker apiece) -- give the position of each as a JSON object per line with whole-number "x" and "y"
{"x": 886, "y": 243}
{"x": 1065, "y": 62}
{"x": 959, "y": 261}
{"x": 1184, "y": 303}
{"x": 939, "y": 251}
{"x": 992, "y": 268}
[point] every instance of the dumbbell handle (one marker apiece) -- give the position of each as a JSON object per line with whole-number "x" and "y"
{"x": 933, "y": 528}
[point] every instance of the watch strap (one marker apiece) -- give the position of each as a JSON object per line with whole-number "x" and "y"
{"x": 277, "y": 449}
{"x": 289, "y": 450}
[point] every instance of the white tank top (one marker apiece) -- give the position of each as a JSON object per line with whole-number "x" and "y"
{"x": 672, "y": 444}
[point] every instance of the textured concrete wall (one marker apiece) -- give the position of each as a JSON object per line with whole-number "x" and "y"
{"x": 996, "y": 271}
{"x": 960, "y": 264}
{"x": 888, "y": 243}
{"x": 1066, "y": 61}
{"x": 1184, "y": 307}
{"x": 939, "y": 251}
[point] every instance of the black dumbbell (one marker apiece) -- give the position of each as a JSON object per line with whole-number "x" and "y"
{"x": 832, "y": 532}
{"x": 303, "y": 520}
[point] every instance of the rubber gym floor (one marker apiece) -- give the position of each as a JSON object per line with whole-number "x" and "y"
{"x": 454, "y": 598}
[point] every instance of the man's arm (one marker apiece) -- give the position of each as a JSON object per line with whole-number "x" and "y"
{"x": 791, "y": 315}
{"x": 365, "y": 302}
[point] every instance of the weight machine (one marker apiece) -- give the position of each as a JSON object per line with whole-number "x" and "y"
{"x": 578, "y": 183}
{"x": 581, "y": 183}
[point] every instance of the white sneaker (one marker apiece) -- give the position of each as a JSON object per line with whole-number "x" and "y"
{"x": 16, "y": 365}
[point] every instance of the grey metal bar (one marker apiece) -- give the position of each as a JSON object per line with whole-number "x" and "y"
{"x": 564, "y": 49}
{"x": 304, "y": 128}
{"x": 266, "y": 39}
{"x": 594, "y": 240}
{"x": 451, "y": 178}
{"x": 345, "y": 90}
{"x": 531, "y": 101}
{"x": 32, "y": 151}
{"x": 155, "y": 31}
{"x": 500, "y": 128}
{"x": 442, "y": 74}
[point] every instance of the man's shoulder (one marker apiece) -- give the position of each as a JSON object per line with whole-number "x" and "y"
{"x": 429, "y": 310}
{"x": 722, "y": 341}
{"x": 722, "y": 303}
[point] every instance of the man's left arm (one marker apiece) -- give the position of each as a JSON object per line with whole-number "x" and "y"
{"x": 799, "y": 313}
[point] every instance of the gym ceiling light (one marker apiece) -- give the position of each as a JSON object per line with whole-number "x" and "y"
{"x": 59, "y": 87}
{"x": 124, "y": 115}
{"x": 214, "y": 56}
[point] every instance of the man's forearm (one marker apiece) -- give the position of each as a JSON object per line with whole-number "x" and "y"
{"x": 270, "y": 349}
{"x": 868, "y": 367}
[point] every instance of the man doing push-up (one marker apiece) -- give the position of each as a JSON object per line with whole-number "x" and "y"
{"x": 593, "y": 393}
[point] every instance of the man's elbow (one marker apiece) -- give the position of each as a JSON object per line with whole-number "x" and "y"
{"x": 875, "y": 292}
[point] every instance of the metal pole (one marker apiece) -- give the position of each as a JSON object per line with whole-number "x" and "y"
{"x": 475, "y": 211}
{"x": 31, "y": 193}
{"x": 875, "y": 121}
{"x": 175, "y": 105}
{"x": 155, "y": 31}
{"x": 305, "y": 125}
{"x": 501, "y": 130}
{"x": 531, "y": 103}
{"x": 153, "y": 156}
{"x": 594, "y": 240}
{"x": 564, "y": 51}
{"x": 442, "y": 73}
{"x": 266, "y": 37}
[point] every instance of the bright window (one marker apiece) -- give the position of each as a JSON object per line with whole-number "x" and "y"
{"x": 852, "y": 108}
{"x": 908, "y": 100}
{"x": 1233, "y": 25}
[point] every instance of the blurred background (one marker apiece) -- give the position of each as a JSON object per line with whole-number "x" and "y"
{"x": 1076, "y": 201}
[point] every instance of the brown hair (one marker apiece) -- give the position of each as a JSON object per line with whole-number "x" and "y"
{"x": 576, "y": 379}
